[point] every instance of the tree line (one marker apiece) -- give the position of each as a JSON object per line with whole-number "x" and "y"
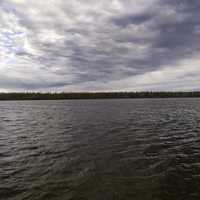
{"x": 95, "y": 95}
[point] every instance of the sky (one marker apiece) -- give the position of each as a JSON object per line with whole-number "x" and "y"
{"x": 99, "y": 45}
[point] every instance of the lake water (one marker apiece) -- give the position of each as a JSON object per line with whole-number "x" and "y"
{"x": 137, "y": 149}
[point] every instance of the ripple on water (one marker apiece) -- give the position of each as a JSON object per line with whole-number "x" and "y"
{"x": 100, "y": 149}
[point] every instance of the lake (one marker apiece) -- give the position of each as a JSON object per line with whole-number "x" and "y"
{"x": 119, "y": 149}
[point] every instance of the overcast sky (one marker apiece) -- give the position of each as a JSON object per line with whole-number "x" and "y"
{"x": 99, "y": 45}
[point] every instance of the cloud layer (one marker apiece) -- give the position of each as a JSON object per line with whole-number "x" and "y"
{"x": 76, "y": 45}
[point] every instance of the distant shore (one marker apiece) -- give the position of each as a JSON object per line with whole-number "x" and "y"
{"x": 95, "y": 95}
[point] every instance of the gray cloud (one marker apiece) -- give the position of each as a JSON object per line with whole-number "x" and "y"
{"x": 99, "y": 45}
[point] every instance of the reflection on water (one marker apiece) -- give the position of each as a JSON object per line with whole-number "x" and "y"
{"x": 100, "y": 149}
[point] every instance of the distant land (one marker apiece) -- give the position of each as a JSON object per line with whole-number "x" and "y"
{"x": 95, "y": 95}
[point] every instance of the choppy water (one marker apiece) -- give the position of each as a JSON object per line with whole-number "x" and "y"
{"x": 100, "y": 149}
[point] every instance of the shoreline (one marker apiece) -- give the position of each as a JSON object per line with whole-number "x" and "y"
{"x": 95, "y": 95}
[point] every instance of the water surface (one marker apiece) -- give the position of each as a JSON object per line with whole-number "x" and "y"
{"x": 141, "y": 149}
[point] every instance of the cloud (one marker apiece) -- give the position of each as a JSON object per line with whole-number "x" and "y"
{"x": 96, "y": 45}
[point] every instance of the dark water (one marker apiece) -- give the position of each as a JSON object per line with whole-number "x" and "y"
{"x": 100, "y": 150}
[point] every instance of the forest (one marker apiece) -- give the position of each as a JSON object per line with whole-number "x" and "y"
{"x": 95, "y": 95}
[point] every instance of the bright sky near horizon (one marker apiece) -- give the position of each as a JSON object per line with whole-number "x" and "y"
{"x": 99, "y": 45}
